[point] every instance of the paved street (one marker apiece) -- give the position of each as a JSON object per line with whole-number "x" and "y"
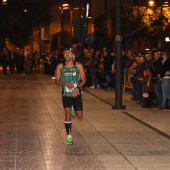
{"x": 32, "y": 133}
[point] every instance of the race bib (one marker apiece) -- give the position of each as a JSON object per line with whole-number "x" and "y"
{"x": 70, "y": 90}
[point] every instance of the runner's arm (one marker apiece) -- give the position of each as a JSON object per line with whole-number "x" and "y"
{"x": 82, "y": 74}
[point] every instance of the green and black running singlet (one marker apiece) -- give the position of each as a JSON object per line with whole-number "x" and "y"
{"x": 70, "y": 75}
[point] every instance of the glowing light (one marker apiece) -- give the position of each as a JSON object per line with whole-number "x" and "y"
{"x": 151, "y": 3}
{"x": 4, "y": 2}
{"x": 167, "y": 39}
{"x": 166, "y": 3}
{"x": 65, "y": 5}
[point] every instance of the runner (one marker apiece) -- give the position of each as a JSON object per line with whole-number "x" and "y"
{"x": 70, "y": 75}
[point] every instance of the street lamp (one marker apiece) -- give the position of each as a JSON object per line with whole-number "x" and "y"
{"x": 25, "y": 10}
{"x": 167, "y": 39}
{"x": 65, "y": 5}
{"x": 151, "y": 3}
{"x": 4, "y": 2}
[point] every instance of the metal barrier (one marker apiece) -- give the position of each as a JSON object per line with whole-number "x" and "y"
{"x": 127, "y": 82}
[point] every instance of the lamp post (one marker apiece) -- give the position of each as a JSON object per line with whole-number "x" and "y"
{"x": 80, "y": 34}
{"x": 118, "y": 78}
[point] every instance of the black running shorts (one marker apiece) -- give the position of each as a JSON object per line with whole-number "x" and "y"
{"x": 75, "y": 102}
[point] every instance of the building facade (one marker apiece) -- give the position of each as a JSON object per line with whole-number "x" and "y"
{"x": 63, "y": 20}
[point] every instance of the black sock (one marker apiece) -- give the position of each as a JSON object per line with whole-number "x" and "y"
{"x": 68, "y": 127}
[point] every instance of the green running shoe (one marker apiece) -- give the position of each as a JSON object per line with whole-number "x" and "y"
{"x": 73, "y": 114}
{"x": 69, "y": 140}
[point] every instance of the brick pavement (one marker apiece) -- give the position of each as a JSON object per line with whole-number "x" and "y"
{"x": 32, "y": 134}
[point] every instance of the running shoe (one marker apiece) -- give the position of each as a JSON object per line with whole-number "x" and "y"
{"x": 92, "y": 87}
{"x": 69, "y": 140}
{"x": 73, "y": 114}
{"x": 98, "y": 87}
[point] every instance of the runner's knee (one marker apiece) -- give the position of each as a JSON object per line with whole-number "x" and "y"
{"x": 79, "y": 114}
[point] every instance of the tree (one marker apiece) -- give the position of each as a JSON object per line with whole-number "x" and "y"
{"x": 139, "y": 22}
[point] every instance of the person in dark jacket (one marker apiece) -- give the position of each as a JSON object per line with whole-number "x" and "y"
{"x": 133, "y": 79}
{"x": 155, "y": 70}
{"x": 55, "y": 60}
{"x": 12, "y": 57}
{"x": 145, "y": 80}
{"x": 5, "y": 59}
{"x": 107, "y": 65}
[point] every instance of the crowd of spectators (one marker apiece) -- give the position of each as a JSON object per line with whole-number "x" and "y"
{"x": 150, "y": 77}
{"x": 149, "y": 71}
{"x": 19, "y": 61}
{"x": 149, "y": 74}
{"x": 99, "y": 68}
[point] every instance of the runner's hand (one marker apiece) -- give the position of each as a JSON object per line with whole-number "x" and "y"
{"x": 69, "y": 85}
{"x": 74, "y": 93}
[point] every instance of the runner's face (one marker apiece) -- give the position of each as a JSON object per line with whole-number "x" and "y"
{"x": 68, "y": 55}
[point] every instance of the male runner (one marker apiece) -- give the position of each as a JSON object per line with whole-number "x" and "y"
{"x": 70, "y": 75}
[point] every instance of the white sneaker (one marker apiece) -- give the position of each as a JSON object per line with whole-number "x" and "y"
{"x": 53, "y": 78}
{"x": 92, "y": 87}
{"x": 98, "y": 86}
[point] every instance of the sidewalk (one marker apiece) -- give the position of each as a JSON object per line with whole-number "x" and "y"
{"x": 157, "y": 119}
{"x": 32, "y": 133}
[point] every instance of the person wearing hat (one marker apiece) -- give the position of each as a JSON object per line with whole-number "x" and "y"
{"x": 70, "y": 75}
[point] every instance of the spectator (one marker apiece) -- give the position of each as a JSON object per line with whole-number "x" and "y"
{"x": 28, "y": 61}
{"x": 133, "y": 79}
{"x": 55, "y": 60}
{"x": 155, "y": 70}
{"x": 165, "y": 76}
{"x": 144, "y": 77}
{"x": 45, "y": 58}
{"x": 20, "y": 61}
{"x": 107, "y": 64}
{"x": 140, "y": 61}
{"x": 92, "y": 65}
{"x": 12, "y": 57}
{"x": 5, "y": 59}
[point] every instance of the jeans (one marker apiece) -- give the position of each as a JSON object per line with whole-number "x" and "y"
{"x": 158, "y": 91}
{"x": 108, "y": 78}
{"x": 4, "y": 67}
{"x": 139, "y": 93}
{"x": 135, "y": 91}
{"x": 165, "y": 91}
{"x": 94, "y": 79}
